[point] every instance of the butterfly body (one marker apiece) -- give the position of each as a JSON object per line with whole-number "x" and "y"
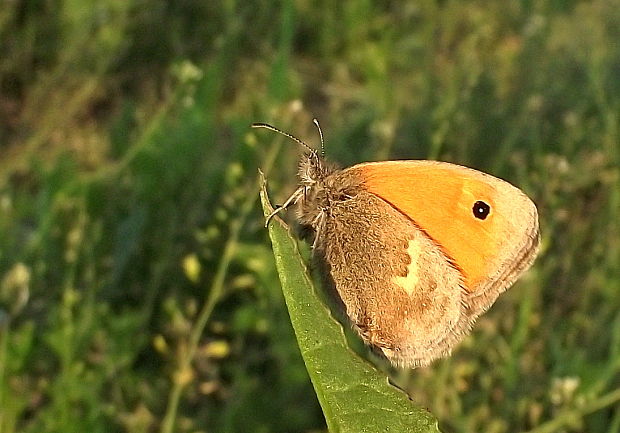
{"x": 414, "y": 250}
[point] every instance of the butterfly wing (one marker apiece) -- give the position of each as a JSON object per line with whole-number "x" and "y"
{"x": 395, "y": 285}
{"x": 490, "y": 246}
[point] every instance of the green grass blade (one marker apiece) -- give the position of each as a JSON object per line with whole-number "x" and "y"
{"x": 354, "y": 396}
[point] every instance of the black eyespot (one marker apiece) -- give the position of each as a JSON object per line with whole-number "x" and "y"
{"x": 481, "y": 210}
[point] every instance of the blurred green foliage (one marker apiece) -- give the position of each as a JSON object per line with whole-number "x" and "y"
{"x": 137, "y": 287}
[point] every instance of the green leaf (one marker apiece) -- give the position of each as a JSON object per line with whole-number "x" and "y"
{"x": 355, "y": 397}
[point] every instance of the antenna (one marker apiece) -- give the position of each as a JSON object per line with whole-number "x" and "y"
{"x": 316, "y": 122}
{"x": 286, "y": 134}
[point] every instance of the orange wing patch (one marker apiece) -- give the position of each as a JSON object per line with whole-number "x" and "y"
{"x": 439, "y": 200}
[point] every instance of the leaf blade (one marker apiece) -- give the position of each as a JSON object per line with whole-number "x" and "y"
{"x": 354, "y": 396}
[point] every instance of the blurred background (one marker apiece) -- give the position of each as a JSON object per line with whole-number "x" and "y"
{"x": 137, "y": 286}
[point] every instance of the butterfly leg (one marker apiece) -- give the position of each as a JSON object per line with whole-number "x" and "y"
{"x": 289, "y": 201}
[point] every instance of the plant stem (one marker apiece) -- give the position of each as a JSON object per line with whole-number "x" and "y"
{"x": 215, "y": 293}
{"x": 571, "y": 416}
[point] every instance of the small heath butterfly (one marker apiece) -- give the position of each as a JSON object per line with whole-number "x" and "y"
{"x": 416, "y": 250}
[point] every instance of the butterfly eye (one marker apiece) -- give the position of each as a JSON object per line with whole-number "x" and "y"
{"x": 481, "y": 210}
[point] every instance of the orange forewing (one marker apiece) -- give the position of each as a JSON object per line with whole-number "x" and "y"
{"x": 438, "y": 199}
